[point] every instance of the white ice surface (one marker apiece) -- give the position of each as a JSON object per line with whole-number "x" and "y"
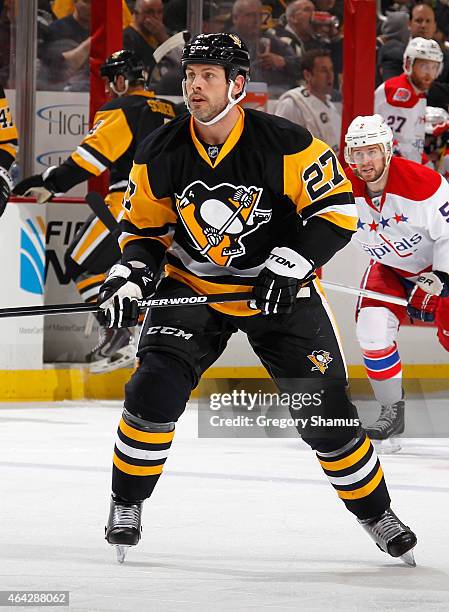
{"x": 234, "y": 524}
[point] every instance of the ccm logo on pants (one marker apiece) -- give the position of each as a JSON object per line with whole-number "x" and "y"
{"x": 169, "y": 331}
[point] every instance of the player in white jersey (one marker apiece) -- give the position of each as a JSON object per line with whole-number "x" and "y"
{"x": 403, "y": 226}
{"x": 437, "y": 136}
{"x": 310, "y": 106}
{"x": 401, "y": 100}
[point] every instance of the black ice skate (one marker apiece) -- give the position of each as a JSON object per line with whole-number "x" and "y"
{"x": 115, "y": 349}
{"x": 392, "y": 536}
{"x": 124, "y": 526}
{"x": 390, "y": 423}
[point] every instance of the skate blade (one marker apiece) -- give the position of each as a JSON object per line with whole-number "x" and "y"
{"x": 388, "y": 446}
{"x": 409, "y": 558}
{"x": 109, "y": 365}
{"x": 121, "y": 551}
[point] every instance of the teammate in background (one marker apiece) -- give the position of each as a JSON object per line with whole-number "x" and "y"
{"x": 310, "y": 105}
{"x": 403, "y": 226}
{"x": 237, "y": 200}
{"x": 8, "y": 150}
{"x": 118, "y": 126}
{"x": 436, "y": 143}
{"x": 402, "y": 100}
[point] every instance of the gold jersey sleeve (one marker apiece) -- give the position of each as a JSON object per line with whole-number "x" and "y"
{"x": 315, "y": 181}
{"x": 146, "y": 216}
{"x": 8, "y": 131}
{"x": 108, "y": 140}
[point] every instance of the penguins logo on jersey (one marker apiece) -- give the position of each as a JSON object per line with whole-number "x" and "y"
{"x": 320, "y": 360}
{"x": 217, "y": 218}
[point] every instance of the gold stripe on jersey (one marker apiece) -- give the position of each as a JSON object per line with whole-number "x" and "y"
{"x": 203, "y": 287}
{"x": 8, "y": 131}
{"x": 230, "y": 143}
{"x": 140, "y": 202}
{"x": 9, "y": 148}
{"x": 94, "y": 234}
{"x": 145, "y": 436}
{"x": 321, "y": 177}
{"x": 111, "y": 136}
{"x": 346, "y": 221}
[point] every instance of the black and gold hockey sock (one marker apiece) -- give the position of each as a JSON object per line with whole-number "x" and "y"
{"x": 140, "y": 451}
{"x": 89, "y": 286}
{"x": 355, "y": 473}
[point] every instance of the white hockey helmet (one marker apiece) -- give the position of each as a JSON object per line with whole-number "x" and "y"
{"x": 422, "y": 48}
{"x": 369, "y": 130}
{"x": 437, "y": 121}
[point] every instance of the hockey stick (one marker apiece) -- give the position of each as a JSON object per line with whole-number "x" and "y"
{"x": 374, "y": 295}
{"x": 54, "y": 309}
{"x": 194, "y": 300}
{"x": 100, "y": 208}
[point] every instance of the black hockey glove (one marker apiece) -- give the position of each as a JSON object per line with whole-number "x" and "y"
{"x": 120, "y": 294}
{"x": 37, "y": 186}
{"x": 5, "y": 189}
{"x": 278, "y": 283}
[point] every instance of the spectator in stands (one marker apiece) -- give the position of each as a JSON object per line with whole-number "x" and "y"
{"x": 62, "y": 8}
{"x": 297, "y": 33}
{"x": 274, "y": 62}
{"x": 442, "y": 17}
{"x": 147, "y": 31}
{"x": 327, "y": 35}
{"x": 310, "y": 105}
{"x": 65, "y": 53}
{"x": 166, "y": 78}
{"x": 5, "y": 44}
{"x": 394, "y": 36}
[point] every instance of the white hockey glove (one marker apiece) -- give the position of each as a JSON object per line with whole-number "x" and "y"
{"x": 120, "y": 293}
{"x": 434, "y": 282}
{"x": 6, "y": 185}
{"x": 278, "y": 283}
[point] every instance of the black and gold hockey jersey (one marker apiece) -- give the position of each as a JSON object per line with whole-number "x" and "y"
{"x": 111, "y": 143}
{"x": 218, "y": 213}
{"x": 8, "y": 134}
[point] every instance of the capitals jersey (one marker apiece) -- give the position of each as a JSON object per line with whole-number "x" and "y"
{"x": 320, "y": 118}
{"x": 219, "y": 215}
{"x": 407, "y": 228}
{"x": 404, "y": 110}
{"x": 8, "y": 134}
{"x": 111, "y": 143}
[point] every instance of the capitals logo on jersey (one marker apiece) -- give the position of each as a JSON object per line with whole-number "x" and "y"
{"x": 217, "y": 218}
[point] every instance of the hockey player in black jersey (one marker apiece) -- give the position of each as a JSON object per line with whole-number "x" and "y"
{"x": 8, "y": 150}
{"x": 118, "y": 126}
{"x": 236, "y": 200}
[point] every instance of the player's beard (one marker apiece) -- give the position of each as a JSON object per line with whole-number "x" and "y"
{"x": 208, "y": 113}
{"x": 376, "y": 176}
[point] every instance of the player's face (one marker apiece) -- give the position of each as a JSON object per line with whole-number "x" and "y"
{"x": 424, "y": 72}
{"x": 207, "y": 90}
{"x": 369, "y": 162}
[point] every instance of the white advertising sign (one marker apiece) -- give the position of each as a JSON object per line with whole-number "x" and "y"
{"x": 62, "y": 120}
{"x": 22, "y": 253}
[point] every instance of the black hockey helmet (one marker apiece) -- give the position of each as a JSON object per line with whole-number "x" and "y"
{"x": 124, "y": 62}
{"x": 223, "y": 49}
